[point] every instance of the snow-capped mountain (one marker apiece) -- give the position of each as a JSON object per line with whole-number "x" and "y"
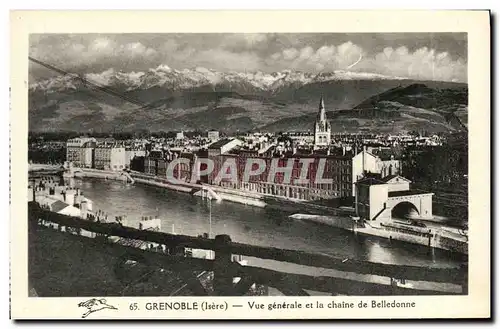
{"x": 164, "y": 98}
{"x": 165, "y": 77}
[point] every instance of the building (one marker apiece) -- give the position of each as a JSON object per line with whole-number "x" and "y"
{"x": 370, "y": 195}
{"x": 183, "y": 170}
{"x": 133, "y": 152}
{"x": 109, "y": 157}
{"x": 118, "y": 160}
{"x": 87, "y": 150}
{"x": 322, "y": 128}
{"x": 391, "y": 198}
{"x": 102, "y": 157}
{"x": 366, "y": 162}
{"x": 76, "y": 152}
{"x": 223, "y": 146}
{"x": 213, "y": 135}
{"x": 179, "y": 135}
{"x": 337, "y": 169}
{"x": 137, "y": 164}
{"x": 301, "y": 138}
{"x": 154, "y": 163}
{"x": 397, "y": 183}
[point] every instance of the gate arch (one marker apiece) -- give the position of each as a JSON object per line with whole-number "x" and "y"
{"x": 405, "y": 210}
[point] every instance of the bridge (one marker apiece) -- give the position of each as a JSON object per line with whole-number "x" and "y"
{"x": 410, "y": 204}
{"x": 352, "y": 282}
{"x": 391, "y": 197}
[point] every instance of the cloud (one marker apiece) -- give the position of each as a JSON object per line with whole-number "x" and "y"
{"x": 98, "y": 54}
{"x": 244, "y": 40}
{"x": 422, "y": 64}
{"x": 323, "y": 58}
{"x": 251, "y": 52}
{"x": 102, "y": 45}
{"x": 288, "y": 54}
{"x": 221, "y": 59}
{"x": 137, "y": 49}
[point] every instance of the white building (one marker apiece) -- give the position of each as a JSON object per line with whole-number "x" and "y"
{"x": 213, "y": 135}
{"x": 302, "y": 138}
{"x": 223, "y": 146}
{"x": 87, "y": 151}
{"x": 110, "y": 157}
{"x": 118, "y": 159}
{"x": 322, "y": 128}
{"x": 366, "y": 162}
{"x": 75, "y": 150}
{"x": 397, "y": 183}
{"x": 179, "y": 135}
{"x": 391, "y": 198}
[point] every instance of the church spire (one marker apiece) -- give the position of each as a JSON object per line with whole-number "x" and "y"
{"x": 321, "y": 113}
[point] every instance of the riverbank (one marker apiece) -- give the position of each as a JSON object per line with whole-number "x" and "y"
{"x": 243, "y": 197}
{"x": 107, "y": 254}
{"x": 42, "y": 167}
{"x": 335, "y": 217}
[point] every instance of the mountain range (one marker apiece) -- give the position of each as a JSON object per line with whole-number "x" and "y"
{"x": 202, "y": 99}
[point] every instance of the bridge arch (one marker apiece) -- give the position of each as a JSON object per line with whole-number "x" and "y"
{"x": 405, "y": 210}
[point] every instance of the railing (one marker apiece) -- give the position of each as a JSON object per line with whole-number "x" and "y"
{"x": 225, "y": 269}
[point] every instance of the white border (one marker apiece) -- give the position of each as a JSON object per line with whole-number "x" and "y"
{"x": 7, "y": 139}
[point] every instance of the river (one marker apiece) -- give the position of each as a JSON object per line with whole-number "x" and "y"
{"x": 189, "y": 215}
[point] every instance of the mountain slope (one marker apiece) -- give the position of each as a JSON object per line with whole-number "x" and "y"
{"x": 415, "y": 107}
{"x": 202, "y": 99}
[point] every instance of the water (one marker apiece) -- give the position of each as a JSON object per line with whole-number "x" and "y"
{"x": 189, "y": 215}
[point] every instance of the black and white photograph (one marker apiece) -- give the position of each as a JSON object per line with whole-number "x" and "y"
{"x": 247, "y": 164}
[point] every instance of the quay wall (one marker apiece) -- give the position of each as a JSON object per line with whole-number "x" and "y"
{"x": 393, "y": 235}
{"x": 438, "y": 240}
{"x": 113, "y": 175}
{"x": 42, "y": 167}
{"x": 227, "y": 194}
{"x": 332, "y": 216}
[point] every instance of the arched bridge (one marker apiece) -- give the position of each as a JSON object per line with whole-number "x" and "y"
{"x": 410, "y": 204}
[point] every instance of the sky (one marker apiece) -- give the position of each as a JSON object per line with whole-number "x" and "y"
{"x": 421, "y": 56}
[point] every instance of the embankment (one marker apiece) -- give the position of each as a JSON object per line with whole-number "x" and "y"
{"x": 102, "y": 174}
{"x": 226, "y": 194}
{"x": 42, "y": 167}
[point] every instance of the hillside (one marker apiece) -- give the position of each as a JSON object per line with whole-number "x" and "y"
{"x": 183, "y": 100}
{"x": 414, "y": 107}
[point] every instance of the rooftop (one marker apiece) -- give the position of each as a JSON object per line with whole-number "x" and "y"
{"x": 387, "y": 154}
{"x": 219, "y": 144}
{"x": 370, "y": 181}
{"x": 58, "y": 206}
{"x": 390, "y": 177}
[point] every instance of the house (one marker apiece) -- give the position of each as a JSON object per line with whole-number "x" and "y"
{"x": 397, "y": 183}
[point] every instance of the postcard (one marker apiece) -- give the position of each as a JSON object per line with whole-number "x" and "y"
{"x": 250, "y": 165}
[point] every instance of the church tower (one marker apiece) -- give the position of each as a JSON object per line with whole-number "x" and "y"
{"x": 322, "y": 129}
